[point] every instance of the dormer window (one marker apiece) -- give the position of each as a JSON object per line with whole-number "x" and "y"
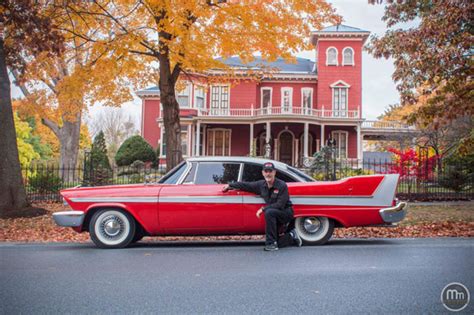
{"x": 348, "y": 56}
{"x": 331, "y": 56}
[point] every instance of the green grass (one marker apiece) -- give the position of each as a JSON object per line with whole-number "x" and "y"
{"x": 439, "y": 212}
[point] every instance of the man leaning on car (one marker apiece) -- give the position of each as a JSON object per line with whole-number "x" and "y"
{"x": 278, "y": 208}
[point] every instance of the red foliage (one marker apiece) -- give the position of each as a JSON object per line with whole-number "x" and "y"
{"x": 408, "y": 163}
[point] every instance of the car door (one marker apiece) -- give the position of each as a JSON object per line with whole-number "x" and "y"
{"x": 198, "y": 205}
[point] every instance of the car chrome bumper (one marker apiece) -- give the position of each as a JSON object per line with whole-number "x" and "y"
{"x": 69, "y": 218}
{"x": 394, "y": 214}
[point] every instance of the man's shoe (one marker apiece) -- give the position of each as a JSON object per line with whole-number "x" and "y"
{"x": 296, "y": 238}
{"x": 271, "y": 247}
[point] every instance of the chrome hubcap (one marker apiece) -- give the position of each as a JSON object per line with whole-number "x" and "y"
{"x": 112, "y": 226}
{"x": 312, "y": 225}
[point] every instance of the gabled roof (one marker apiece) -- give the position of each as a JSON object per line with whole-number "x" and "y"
{"x": 302, "y": 65}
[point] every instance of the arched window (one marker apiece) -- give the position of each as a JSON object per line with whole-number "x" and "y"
{"x": 348, "y": 56}
{"x": 331, "y": 56}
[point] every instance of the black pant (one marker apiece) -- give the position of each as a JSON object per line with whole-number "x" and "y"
{"x": 274, "y": 218}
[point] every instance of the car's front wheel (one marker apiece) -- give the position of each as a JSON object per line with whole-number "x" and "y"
{"x": 314, "y": 230}
{"x": 112, "y": 228}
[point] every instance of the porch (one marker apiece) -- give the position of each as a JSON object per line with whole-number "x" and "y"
{"x": 289, "y": 142}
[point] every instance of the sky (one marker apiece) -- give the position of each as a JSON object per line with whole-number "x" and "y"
{"x": 378, "y": 88}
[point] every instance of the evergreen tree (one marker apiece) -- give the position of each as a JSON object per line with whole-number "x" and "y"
{"x": 99, "y": 152}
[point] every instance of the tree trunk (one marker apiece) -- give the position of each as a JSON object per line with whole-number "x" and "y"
{"x": 167, "y": 83}
{"x": 68, "y": 135}
{"x": 12, "y": 191}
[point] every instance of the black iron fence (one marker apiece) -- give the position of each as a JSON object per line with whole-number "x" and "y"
{"x": 418, "y": 181}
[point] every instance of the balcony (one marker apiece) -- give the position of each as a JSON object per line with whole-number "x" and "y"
{"x": 279, "y": 111}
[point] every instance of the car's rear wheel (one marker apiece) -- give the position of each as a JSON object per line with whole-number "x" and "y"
{"x": 112, "y": 228}
{"x": 314, "y": 230}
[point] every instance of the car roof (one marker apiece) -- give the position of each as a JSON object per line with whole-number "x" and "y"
{"x": 241, "y": 159}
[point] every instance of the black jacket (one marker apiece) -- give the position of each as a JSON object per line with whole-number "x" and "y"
{"x": 276, "y": 197}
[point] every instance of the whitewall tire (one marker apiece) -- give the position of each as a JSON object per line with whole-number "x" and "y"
{"x": 314, "y": 230}
{"x": 112, "y": 228}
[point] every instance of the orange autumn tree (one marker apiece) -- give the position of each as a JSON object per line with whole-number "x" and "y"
{"x": 60, "y": 88}
{"x": 186, "y": 36}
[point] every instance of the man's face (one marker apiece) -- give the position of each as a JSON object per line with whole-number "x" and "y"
{"x": 269, "y": 175}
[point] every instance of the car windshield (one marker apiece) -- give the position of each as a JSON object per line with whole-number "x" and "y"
{"x": 301, "y": 174}
{"x": 172, "y": 176}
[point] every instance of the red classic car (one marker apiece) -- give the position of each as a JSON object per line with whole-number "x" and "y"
{"x": 189, "y": 201}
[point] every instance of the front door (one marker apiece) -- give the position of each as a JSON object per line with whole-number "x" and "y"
{"x": 286, "y": 147}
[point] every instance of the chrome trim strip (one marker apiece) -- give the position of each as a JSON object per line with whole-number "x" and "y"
{"x": 116, "y": 199}
{"x": 69, "y": 218}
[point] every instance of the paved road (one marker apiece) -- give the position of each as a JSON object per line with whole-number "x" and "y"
{"x": 372, "y": 276}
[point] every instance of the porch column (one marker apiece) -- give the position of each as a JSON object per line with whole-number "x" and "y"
{"x": 305, "y": 139}
{"x": 193, "y": 140}
{"x": 297, "y": 153}
{"x": 276, "y": 153}
{"x": 251, "y": 153}
{"x": 359, "y": 145}
{"x": 323, "y": 142}
{"x": 198, "y": 137}
{"x": 267, "y": 141}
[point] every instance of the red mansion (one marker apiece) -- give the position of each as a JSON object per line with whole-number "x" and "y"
{"x": 287, "y": 115}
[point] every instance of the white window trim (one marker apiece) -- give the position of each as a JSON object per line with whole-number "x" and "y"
{"x": 188, "y": 89}
{"x": 327, "y": 57}
{"x": 340, "y": 83}
{"x": 283, "y": 89}
{"x": 310, "y": 100}
{"x": 261, "y": 96}
{"x": 352, "y": 63}
{"x": 196, "y": 87}
{"x": 220, "y": 98}
{"x": 188, "y": 146}
{"x": 161, "y": 141}
{"x": 339, "y": 144}
{"x": 214, "y": 140}
{"x": 333, "y": 99}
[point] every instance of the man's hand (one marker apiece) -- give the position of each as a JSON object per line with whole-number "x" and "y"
{"x": 259, "y": 212}
{"x": 225, "y": 188}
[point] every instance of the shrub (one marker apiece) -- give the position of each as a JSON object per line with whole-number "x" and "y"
{"x": 44, "y": 183}
{"x": 132, "y": 149}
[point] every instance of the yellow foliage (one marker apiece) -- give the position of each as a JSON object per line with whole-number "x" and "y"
{"x": 26, "y": 152}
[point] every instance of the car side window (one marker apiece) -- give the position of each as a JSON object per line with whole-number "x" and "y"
{"x": 192, "y": 172}
{"x": 252, "y": 172}
{"x": 217, "y": 173}
{"x": 284, "y": 177}
{"x": 173, "y": 175}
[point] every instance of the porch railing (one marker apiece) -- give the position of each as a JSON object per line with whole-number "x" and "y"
{"x": 235, "y": 111}
{"x": 380, "y": 124}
